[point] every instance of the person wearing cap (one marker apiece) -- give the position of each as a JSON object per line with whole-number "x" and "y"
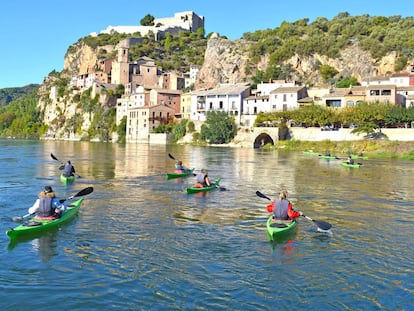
{"x": 68, "y": 169}
{"x": 282, "y": 208}
{"x": 180, "y": 168}
{"x": 202, "y": 179}
{"x": 47, "y": 206}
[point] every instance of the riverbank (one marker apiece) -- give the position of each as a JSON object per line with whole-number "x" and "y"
{"x": 385, "y": 149}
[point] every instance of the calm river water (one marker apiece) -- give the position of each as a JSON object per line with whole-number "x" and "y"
{"x": 140, "y": 242}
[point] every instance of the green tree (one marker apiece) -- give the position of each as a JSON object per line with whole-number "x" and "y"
{"x": 219, "y": 128}
{"x": 327, "y": 72}
{"x": 147, "y": 20}
{"x": 121, "y": 130}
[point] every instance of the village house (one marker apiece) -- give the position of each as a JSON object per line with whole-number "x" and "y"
{"x": 225, "y": 97}
{"x": 170, "y": 98}
{"x": 142, "y": 121}
{"x": 286, "y": 98}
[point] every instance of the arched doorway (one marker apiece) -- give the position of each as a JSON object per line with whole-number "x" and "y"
{"x": 262, "y": 140}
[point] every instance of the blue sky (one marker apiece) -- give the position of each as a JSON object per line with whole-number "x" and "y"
{"x": 35, "y": 35}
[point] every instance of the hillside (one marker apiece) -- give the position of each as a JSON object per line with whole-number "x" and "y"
{"x": 7, "y": 95}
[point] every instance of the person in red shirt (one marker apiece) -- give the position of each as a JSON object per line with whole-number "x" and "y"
{"x": 282, "y": 208}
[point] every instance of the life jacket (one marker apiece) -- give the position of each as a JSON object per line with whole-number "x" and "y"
{"x": 45, "y": 207}
{"x": 281, "y": 209}
{"x": 68, "y": 170}
{"x": 200, "y": 178}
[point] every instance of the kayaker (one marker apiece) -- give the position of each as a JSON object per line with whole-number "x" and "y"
{"x": 47, "y": 206}
{"x": 68, "y": 170}
{"x": 202, "y": 179}
{"x": 328, "y": 153}
{"x": 180, "y": 168}
{"x": 282, "y": 208}
{"x": 361, "y": 153}
{"x": 350, "y": 160}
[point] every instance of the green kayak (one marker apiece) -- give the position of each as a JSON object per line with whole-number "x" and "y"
{"x": 310, "y": 152}
{"x": 214, "y": 185}
{"x": 355, "y": 165}
{"x": 66, "y": 180}
{"x": 178, "y": 175}
{"x": 33, "y": 225}
{"x": 277, "y": 229}
{"x": 327, "y": 157}
{"x": 354, "y": 156}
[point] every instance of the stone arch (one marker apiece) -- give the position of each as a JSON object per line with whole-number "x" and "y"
{"x": 262, "y": 139}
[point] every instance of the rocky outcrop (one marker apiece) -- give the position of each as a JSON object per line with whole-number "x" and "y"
{"x": 227, "y": 61}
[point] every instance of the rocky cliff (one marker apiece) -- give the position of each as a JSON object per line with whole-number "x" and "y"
{"x": 227, "y": 61}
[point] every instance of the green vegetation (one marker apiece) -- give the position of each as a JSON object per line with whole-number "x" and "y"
{"x": 7, "y": 95}
{"x": 368, "y": 117}
{"x": 147, "y": 20}
{"x": 376, "y": 34}
{"x": 374, "y": 149}
{"x": 219, "y": 128}
{"x": 21, "y": 118}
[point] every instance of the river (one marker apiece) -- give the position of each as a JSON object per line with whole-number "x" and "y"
{"x": 140, "y": 242}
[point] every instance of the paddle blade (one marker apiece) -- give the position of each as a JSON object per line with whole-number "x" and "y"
{"x": 53, "y": 157}
{"x": 83, "y": 192}
{"x": 61, "y": 167}
{"x": 20, "y": 219}
{"x": 259, "y": 194}
{"x": 171, "y": 156}
{"x": 323, "y": 225}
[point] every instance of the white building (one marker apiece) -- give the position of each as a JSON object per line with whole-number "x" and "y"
{"x": 188, "y": 21}
{"x": 126, "y": 102}
{"x": 225, "y": 97}
{"x": 286, "y": 98}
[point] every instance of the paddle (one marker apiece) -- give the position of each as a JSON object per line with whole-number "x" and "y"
{"x": 81, "y": 193}
{"x": 321, "y": 224}
{"x": 62, "y": 165}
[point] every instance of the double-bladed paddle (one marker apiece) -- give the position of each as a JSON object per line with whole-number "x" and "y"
{"x": 81, "y": 193}
{"x": 62, "y": 165}
{"x": 322, "y": 225}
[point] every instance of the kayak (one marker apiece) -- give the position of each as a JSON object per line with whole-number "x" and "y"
{"x": 67, "y": 180}
{"x": 355, "y": 165}
{"x": 178, "y": 175}
{"x": 354, "y": 156}
{"x": 34, "y": 225}
{"x": 327, "y": 157}
{"x": 310, "y": 152}
{"x": 214, "y": 185}
{"x": 279, "y": 227}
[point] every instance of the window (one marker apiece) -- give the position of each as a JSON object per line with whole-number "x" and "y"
{"x": 386, "y": 92}
{"x": 221, "y": 105}
{"x": 284, "y": 97}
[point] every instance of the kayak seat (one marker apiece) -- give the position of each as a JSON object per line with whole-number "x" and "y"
{"x": 198, "y": 185}
{"x": 278, "y": 225}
